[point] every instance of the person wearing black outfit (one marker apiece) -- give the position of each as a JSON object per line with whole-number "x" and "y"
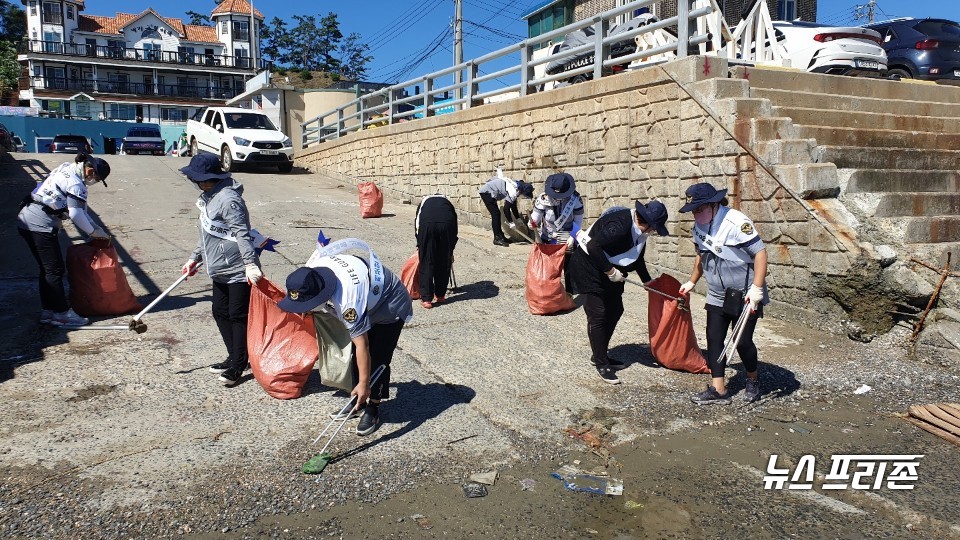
{"x": 435, "y": 227}
{"x": 596, "y": 270}
{"x": 503, "y": 189}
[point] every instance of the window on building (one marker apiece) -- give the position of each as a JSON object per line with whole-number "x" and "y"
{"x": 787, "y": 10}
{"x": 187, "y": 55}
{"x": 187, "y": 86}
{"x": 242, "y": 57}
{"x": 33, "y": 8}
{"x": 151, "y": 51}
{"x": 70, "y": 12}
{"x": 123, "y": 111}
{"x": 51, "y": 13}
{"x": 91, "y": 47}
{"x": 223, "y": 27}
{"x": 551, "y": 18}
{"x": 173, "y": 115}
{"x": 241, "y": 30}
{"x": 52, "y": 42}
{"x": 56, "y": 78}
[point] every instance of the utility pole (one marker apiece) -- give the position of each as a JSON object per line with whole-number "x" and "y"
{"x": 867, "y": 10}
{"x": 458, "y": 45}
{"x": 253, "y": 37}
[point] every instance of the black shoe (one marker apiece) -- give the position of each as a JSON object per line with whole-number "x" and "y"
{"x": 616, "y": 364}
{"x": 500, "y": 242}
{"x": 219, "y": 367}
{"x": 711, "y": 397}
{"x": 752, "y": 392}
{"x": 370, "y": 420}
{"x": 231, "y": 376}
{"x": 352, "y": 413}
{"x": 607, "y": 374}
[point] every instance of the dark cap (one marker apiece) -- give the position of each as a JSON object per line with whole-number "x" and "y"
{"x": 204, "y": 167}
{"x": 654, "y": 213}
{"x": 525, "y": 189}
{"x": 100, "y": 168}
{"x": 559, "y": 186}
{"x": 307, "y": 288}
{"x": 700, "y": 194}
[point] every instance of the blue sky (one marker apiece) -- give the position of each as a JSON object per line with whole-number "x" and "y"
{"x": 403, "y": 32}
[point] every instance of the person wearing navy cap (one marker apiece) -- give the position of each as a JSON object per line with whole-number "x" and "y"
{"x": 227, "y": 249}
{"x": 62, "y": 195}
{"x": 371, "y": 303}
{"x": 558, "y": 212}
{"x": 614, "y": 246}
{"x": 733, "y": 259}
{"x": 503, "y": 189}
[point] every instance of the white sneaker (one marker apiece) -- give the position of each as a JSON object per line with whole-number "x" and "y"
{"x": 46, "y": 316}
{"x": 69, "y": 318}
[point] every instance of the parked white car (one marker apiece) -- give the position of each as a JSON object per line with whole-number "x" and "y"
{"x": 240, "y": 136}
{"x": 837, "y": 50}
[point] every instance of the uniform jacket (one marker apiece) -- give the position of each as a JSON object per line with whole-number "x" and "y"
{"x": 225, "y": 246}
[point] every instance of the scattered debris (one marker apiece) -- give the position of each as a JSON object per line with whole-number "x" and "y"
{"x": 422, "y": 521}
{"x": 575, "y": 480}
{"x": 461, "y": 439}
{"x": 863, "y": 389}
{"x": 488, "y": 478}
{"x": 527, "y": 484}
{"x": 943, "y": 420}
{"x": 632, "y": 505}
{"x": 474, "y": 490}
{"x": 794, "y": 428}
{"x": 944, "y": 274}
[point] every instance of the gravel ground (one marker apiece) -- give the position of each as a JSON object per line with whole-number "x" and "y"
{"x": 119, "y": 435}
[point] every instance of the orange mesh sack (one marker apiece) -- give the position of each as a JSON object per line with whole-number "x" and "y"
{"x": 545, "y": 292}
{"x": 410, "y": 275}
{"x": 672, "y": 340}
{"x": 282, "y": 346}
{"x": 98, "y": 285}
{"x": 371, "y": 200}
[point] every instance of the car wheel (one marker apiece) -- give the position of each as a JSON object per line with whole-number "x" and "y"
{"x": 226, "y": 160}
{"x": 902, "y": 73}
{"x": 193, "y": 147}
{"x": 285, "y": 167}
{"x": 579, "y": 79}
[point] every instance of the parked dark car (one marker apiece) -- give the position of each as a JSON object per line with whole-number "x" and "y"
{"x": 926, "y": 49}
{"x": 144, "y": 140}
{"x": 70, "y": 144}
{"x": 6, "y": 139}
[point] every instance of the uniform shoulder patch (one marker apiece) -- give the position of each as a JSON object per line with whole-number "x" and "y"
{"x": 746, "y": 228}
{"x": 235, "y": 205}
{"x": 350, "y": 315}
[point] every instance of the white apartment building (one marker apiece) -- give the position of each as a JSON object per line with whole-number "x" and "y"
{"x": 143, "y": 67}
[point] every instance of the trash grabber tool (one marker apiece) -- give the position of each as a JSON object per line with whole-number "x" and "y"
{"x": 97, "y": 327}
{"x": 317, "y": 463}
{"x": 453, "y": 277}
{"x": 681, "y": 301}
{"x": 136, "y": 324}
{"x": 731, "y": 347}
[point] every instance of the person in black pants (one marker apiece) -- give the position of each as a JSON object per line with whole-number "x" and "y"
{"x": 435, "y": 227}
{"x": 595, "y": 270}
{"x": 503, "y": 189}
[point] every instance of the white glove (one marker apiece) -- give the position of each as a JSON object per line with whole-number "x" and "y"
{"x": 686, "y": 288}
{"x": 253, "y": 273}
{"x": 512, "y": 225}
{"x": 616, "y": 276}
{"x": 189, "y": 267}
{"x": 754, "y": 296}
{"x": 99, "y": 234}
{"x": 570, "y": 242}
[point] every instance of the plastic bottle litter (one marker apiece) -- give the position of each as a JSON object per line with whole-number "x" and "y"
{"x": 474, "y": 490}
{"x": 575, "y": 480}
{"x": 863, "y": 389}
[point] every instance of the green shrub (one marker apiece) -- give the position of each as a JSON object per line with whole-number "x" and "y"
{"x": 306, "y": 74}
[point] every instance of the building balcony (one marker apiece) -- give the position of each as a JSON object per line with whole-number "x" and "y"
{"x": 58, "y": 84}
{"x": 181, "y": 58}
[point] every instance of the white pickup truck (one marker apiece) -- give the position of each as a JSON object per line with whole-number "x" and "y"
{"x": 240, "y": 136}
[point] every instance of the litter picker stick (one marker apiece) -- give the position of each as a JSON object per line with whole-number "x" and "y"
{"x": 681, "y": 301}
{"x": 731, "y": 347}
{"x": 345, "y": 411}
{"x": 163, "y": 295}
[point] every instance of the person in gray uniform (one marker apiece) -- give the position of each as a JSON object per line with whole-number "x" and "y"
{"x": 62, "y": 195}
{"x": 372, "y": 304}
{"x": 733, "y": 259}
{"x": 226, "y": 248}
{"x": 558, "y": 212}
{"x": 503, "y": 189}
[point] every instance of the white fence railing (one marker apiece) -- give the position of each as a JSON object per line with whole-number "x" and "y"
{"x": 700, "y": 29}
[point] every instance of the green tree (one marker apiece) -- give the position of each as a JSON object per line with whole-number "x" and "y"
{"x": 328, "y": 41}
{"x": 354, "y": 58}
{"x": 199, "y": 19}
{"x": 13, "y": 22}
{"x": 275, "y": 42}
{"x": 9, "y": 67}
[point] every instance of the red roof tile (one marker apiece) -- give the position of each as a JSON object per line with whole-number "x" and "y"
{"x": 112, "y": 26}
{"x": 235, "y": 6}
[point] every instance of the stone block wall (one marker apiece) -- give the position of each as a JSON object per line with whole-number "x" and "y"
{"x": 637, "y": 135}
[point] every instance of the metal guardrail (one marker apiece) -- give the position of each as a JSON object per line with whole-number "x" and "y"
{"x": 111, "y": 52}
{"x": 469, "y": 84}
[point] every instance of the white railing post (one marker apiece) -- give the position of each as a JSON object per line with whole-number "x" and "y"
{"x": 339, "y": 122}
{"x": 526, "y": 71}
{"x": 393, "y": 107}
{"x": 427, "y": 96}
{"x": 471, "y": 87}
{"x": 683, "y": 27}
{"x": 601, "y": 50}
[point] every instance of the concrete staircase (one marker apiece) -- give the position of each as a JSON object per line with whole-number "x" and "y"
{"x": 895, "y": 145}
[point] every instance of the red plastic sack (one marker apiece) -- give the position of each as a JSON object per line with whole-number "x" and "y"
{"x": 672, "y": 340}
{"x": 282, "y": 346}
{"x": 371, "y": 200}
{"x": 410, "y": 275}
{"x": 545, "y": 292}
{"x": 98, "y": 285}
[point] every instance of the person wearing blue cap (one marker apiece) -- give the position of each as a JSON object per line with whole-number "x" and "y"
{"x": 227, "y": 249}
{"x": 733, "y": 259}
{"x": 503, "y": 189}
{"x": 613, "y": 247}
{"x": 371, "y": 303}
{"x": 558, "y": 212}
{"x": 62, "y": 195}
